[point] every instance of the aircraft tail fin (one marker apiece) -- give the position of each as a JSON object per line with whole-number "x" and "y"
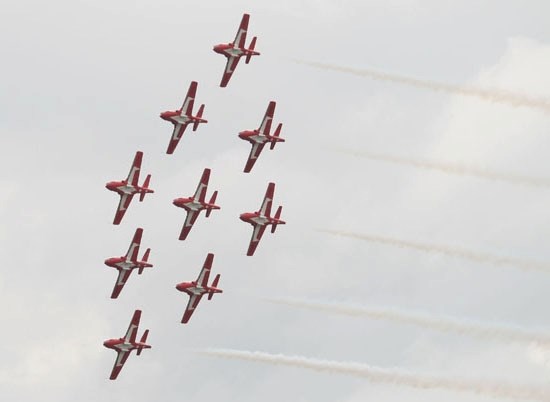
{"x": 212, "y": 201}
{"x": 144, "y": 259}
{"x": 251, "y": 48}
{"x": 275, "y": 137}
{"x": 214, "y": 284}
{"x": 142, "y": 341}
{"x": 276, "y": 217}
{"x": 145, "y": 188}
{"x": 199, "y": 115}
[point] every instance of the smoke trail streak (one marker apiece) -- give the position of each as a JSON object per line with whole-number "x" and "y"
{"x": 453, "y": 169}
{"x": 498, "y": 96}
{"x": 391, "y": 376}
{"x": 446, "y": 324}
{"x": 449, "y": 251}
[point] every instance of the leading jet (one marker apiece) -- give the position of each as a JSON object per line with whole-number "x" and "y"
{"x": 129, "y": 187}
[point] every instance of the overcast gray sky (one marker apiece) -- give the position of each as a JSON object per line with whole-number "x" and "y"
{"x": 83, "y": 83}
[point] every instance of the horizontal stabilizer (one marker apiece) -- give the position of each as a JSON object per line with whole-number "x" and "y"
{"x": 276, "y": 136}
{"x": 199, "y": 115}
{"x": 145, "y": 187}
{"x": 142, "y": 340}
{"x": 145, "y": 258}
{"x": 252, "y": 45}
{"x": 277, "y": 216}
{"x": 214, "y": 284}
{"x": 212, "y": 202}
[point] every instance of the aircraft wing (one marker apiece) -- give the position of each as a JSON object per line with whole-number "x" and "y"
{"x": 191, "y": 306}
{"x": 200, "y": 193}
{"x": 121, "y": 358}
{"x": 179, "y": 129}
{"x": 202, "y": 280}
{"x": 123, "y": 276}
{"x": 240, "y": 38}
{"x": 265, "y": 209}
{"x": 254, "y": 154}
{"x": 188, "y": 224}
{"x": 230, "y": 66}
{"x": 133, "y": 250}
{"x": 124, "y": 203}
{"x": 187, "y": 107}
{"x": 133, "y": 327}
{"x": 133, "y": 176}
{"x": 255, "y": 240}
{"x": 265, "y": 127}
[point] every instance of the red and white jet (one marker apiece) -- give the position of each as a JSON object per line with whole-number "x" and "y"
{"x": 261, "y": 219}
{"x": 235, "y": 50}
{"x": 126, "y": 264}
{"x": 199, "y": 288}
{"x": 258, "y": 138}
{"x": 183, "y": 116}
{"x": 123, "y": 346}
{"x": 194, "y": 205}
{"x": 129, "y": 187}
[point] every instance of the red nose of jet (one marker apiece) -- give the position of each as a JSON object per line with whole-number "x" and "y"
{"x": 110, "y": 185}
{"x": 218, "y": 48}
{"x": 180, "y": 286}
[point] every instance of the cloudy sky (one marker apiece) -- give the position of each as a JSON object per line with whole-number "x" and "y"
{"x": 83, "y": 83}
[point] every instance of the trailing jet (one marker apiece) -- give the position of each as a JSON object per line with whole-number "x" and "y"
{"x": 129, "y": 187}
{"x": 261, "y": 219}
{"x": 126, "y": 264}
{"x": 235, "y": 50}
{"x": 258, "y": 138}
{"x": 199, "y": 288}
{"x": 123, "y": 346}
{"x": 183, "y": 116}
{"x": 194, "y": 205}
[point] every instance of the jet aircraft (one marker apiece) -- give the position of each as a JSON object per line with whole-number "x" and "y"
{"x": 261, "y": 219}
{"x": 261, "y": 136}
{"x": 199, "y": 288}
{"x": 129, "y": 187}
{"x": 124, "y": 346}
{"x": 183, "y": 116}
{"x": 235, "y": 50}
{"x": 195, "y": 204}
{"x": 126, "y": 264}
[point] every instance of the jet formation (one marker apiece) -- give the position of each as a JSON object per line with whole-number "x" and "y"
{"x": 194, "y": 204}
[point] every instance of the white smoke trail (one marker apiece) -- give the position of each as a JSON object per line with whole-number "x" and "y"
{"x": 454, "y": 169}
{"x": 391, "y": 376}
{"x": 446, "y": 324}
{"x": 493, "y": 95}
{"x": 526, "y": 265}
